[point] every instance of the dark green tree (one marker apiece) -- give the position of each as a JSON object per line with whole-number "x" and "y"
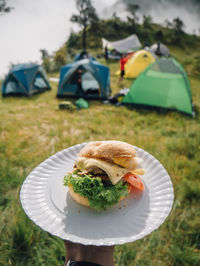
{"x": 132, "y": 10}
{"x": 4, "y": 8}
{"x": 85, "y": 17}
{"x": 178, "y": 25}
{"x": 178, "y": 33}
{"x": 72, "y": 41}
{"x": 147, "y": 22}
{"x": 60, "y": 57}
{"x": 46, "y": 60}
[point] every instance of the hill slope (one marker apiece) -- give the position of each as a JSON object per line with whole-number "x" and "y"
{"x": 161, "y": 10}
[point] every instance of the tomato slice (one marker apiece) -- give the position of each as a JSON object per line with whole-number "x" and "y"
{"x": 134, "y": 180}
{"x": 129, "y": 188}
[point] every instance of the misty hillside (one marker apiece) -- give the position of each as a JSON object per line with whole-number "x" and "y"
{"x": 160, "y": 11}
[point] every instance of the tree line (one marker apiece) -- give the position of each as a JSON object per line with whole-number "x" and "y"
{"x": 92, "y": 29}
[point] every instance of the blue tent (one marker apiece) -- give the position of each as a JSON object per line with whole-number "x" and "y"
{"x": 84, "y": 78}
{"x": 25, "y": 79}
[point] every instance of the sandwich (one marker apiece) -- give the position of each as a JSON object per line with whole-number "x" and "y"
{"x": 105, "y": 172}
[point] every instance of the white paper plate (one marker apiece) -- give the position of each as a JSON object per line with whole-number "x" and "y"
{"x": 48, "y": 204}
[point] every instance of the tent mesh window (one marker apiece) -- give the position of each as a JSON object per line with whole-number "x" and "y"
{"x": 89, "y": 83}
{"x": 39, "y": 82}
{"x": 12, "y": 85}
{"x": 167, "y": 67}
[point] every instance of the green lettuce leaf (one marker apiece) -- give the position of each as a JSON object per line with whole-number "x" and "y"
{"x": 100, "y": 195}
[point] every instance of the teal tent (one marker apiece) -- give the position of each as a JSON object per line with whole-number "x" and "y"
{"x": 25, "y": 79}
{"x": 84, "y": 78}
{"x": 162, "y": 84}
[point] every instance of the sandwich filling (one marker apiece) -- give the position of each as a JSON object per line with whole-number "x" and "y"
{"x": 104, "y": 182}
{"x": 113, "y": 171}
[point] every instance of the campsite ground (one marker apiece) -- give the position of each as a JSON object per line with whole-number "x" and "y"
{"x": 32, "y": 129}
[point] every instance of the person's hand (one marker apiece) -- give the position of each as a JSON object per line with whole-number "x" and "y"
{"x": 102, "y": 255}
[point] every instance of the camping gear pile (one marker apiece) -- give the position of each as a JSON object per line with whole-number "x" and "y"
{"x": 67, "y": 105}
{"x": 79, "y": 104}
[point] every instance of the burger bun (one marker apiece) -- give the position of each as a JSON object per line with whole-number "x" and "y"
{"x": 108, "y": 149}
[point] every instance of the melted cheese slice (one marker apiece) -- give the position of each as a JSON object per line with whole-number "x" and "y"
{"x": 129, "y": 163}
{"x": 114, "y": 172}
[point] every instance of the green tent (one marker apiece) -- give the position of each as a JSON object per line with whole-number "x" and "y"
{"x": 162, "y": 84}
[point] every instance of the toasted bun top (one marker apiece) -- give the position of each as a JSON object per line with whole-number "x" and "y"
{"x": 107, "y": 149}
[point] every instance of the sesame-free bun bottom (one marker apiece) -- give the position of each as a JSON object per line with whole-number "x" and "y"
{"x": 78, "y": 198}
{"x": 82, "y": 200}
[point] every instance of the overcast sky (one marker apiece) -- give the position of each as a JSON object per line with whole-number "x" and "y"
{"x": 35, "y": 25}
{"x": 45, "y": 24}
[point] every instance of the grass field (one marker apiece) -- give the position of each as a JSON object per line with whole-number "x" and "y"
{"x": 32, "y": 129}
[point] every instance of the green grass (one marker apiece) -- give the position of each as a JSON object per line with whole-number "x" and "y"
{"x": 32, "y": 129}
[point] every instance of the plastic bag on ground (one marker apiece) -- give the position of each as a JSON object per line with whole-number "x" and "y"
{"x": 81, "y": 103}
